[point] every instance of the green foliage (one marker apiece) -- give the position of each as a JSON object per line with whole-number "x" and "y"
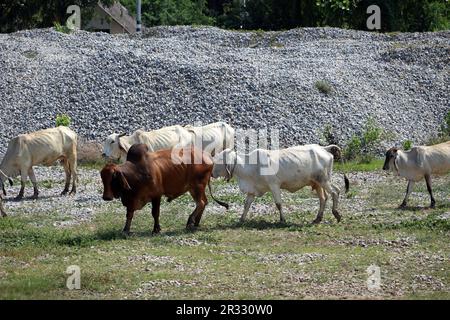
{"x": 328, "y": 136}
{"x": 396, "y": 15}
{"x": 446, "y": 126}
{"x": 436, "y": 15}
{"x": 353, "y": 149}
{"x": 443, "y": 133}
{"x": 19, "y": 14}
{"x": 407, "y": 144}
{"x": 63, "y": 120}
{"x": 323, "y": 87}
{"x": 61, "y": 28}
{"x": 364, "y": 147}
{"x": 172, "y": 12}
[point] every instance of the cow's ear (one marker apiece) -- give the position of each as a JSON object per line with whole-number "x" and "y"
{"x": 123, "y": 180}
{"x": 123, "y": 145}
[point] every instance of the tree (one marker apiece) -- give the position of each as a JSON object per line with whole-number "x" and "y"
{"x": 26, "y": 14}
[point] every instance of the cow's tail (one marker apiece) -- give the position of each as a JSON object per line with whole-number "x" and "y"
{"x": 336, "y": 151}
{"x": 4, "y": 177}
{"x": 223, "y": 204}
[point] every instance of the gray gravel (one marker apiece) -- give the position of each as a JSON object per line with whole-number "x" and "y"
{"x": 180, "y": 75}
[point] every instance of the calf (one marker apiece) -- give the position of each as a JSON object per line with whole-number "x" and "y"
{"x": 148, "y": 176}
{"x": 419, "y": 163}
{"x": 294, "y": 168}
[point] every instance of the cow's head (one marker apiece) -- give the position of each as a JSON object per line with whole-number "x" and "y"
{"x": 389, "y": 162}
{"x": 114, "y": 182}
{"x": 224, "y": 164}
{"x": 113, "y": 146}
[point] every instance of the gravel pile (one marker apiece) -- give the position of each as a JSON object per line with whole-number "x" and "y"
{"x": 183, "y": 75}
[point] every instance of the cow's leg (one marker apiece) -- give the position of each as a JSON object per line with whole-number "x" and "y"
{"x": 23, "y": 180}
{"x": 335, "y": 196}
{"x": 409, "y": 189}
{"x": 155, "y": 213}
{"x": 276, "y": 193}
{"x": 322, "y": 200}
{"x": 194, "y": 218}
{"x": 204, "y": 202}
{"x": 248, "y": 202}
{"x": 430, "y": 191}
{"x": 65, "y": 164}
{"x": 130, "y": 214}
{"x": 2, "y": 210}
{"x": 33, "y": 180}
{"x": 74, "y": 172}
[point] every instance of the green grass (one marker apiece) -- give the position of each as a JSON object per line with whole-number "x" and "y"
{"x": 353, "y": 166}
{"x": 323, "y": 87}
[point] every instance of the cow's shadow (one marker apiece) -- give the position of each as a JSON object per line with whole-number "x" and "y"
{"x": 29, "y": 198}
{"x": 424, "y": 208}
{"x": 258, "y": 225}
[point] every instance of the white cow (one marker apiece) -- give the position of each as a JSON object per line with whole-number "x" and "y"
{"x": 41, "y": 147}
{"x": 419, "y": 163}
{"x": 116, "y": 145}
{"x": 290, "y": 169}
{"x": 214, "y": 137}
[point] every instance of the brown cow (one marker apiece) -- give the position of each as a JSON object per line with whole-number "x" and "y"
{"x": 147, "y": 176}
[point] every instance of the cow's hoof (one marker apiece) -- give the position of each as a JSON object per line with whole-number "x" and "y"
{"x": 190, "y": 227}
{"x": 73, "y": 192}
{"x": 18, "y": 198}
{"x": 317, "y": 221}
{"x": 402, "y": 206}
{"x": 64, "y": 193}
{"x": 156, "y": 231}
{"x": 126, "y": 233}
{"x": 337, "y": 215}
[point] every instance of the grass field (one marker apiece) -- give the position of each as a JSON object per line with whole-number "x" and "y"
{"x": 259, "y": 259}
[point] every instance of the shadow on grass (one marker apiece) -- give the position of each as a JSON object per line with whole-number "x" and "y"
{"x": 262, "y": 225}
{"x": 425, "y": 208}
{"x": 109, "y": 235}
{"x": 29, "y": 198}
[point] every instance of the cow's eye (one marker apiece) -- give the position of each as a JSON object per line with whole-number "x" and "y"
{"x": 111, "y": 142}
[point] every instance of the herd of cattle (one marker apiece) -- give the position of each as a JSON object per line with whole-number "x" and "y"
{"x": 171, "y": 161}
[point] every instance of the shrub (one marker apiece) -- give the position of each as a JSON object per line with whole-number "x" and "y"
{"x": 443, "y": 133}
{"x": 323, "y": 87}
{"x": 407, "y": 144}
{"x": 63, "y": 120}
{"x": 364, "y": 146}
{"x": 61, "y": 28}
{"x": 446, "y": 126}
{"x": 328, "y": 137}
{"x": 353, "y": 149}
